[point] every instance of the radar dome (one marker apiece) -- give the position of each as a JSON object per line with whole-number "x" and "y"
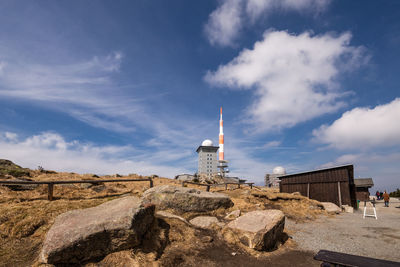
{"x": 279, "y": 170}
{"x": 207, "y": 142}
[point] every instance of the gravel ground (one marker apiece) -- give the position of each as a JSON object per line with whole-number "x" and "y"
{"x": 350, "y": 233}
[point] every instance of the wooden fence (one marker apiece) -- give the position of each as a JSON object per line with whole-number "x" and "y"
{"x": 209, "y": 185}
{"x": 52, "y": 183}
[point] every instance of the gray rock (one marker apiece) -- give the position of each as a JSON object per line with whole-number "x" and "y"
{"x": 331, "y": 207}
{"x": 165, "y": 214}
{"x": 20, "y": 187}
{"x": 98, "y": 188}
{"x": 233, "y": 215}
{"x": 80, "y": 235}
{"x": 86, "y": 185}
{"x": 186, "y": 199}
{"x": 347, "y": 209}
{"x": 260, "y": 230}
{"x": 204, "y": 221}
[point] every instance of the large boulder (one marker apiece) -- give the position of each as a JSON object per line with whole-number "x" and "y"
{"x": 80, "y": 235}
{"x": 260, "y": 229}
{"x": 331, "y": 207}
{"x": 186, "y": 199}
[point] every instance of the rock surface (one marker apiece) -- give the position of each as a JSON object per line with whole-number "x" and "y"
{"x": 165, "y": 214}
{"x": 233, "y": 215}
{"x": 347, "y": 209}
{"x": 260, "y": 230}
{"x": 186, "y": 199}
{"x": 204, "y": 221}
{"x": 80, "y": 235}
{"x": 331, "y": 207}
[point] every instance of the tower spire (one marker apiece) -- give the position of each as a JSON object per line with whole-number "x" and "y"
{"x": 221, "y": 137}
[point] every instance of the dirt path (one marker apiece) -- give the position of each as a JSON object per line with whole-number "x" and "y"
{"x": 350, "y": 233}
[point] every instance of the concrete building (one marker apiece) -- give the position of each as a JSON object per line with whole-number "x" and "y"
{"x": 271, "y": 179}
{"x": 207, "y": 159}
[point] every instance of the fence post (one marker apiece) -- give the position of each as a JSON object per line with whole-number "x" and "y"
{"x": 50, "y": 191}
{"x": 251, "y": 186}
{"x": 340, "y": 195}
{"x": 208, "y": 188}
{"x": 226, "y": 186}
{"x": 238, "y": 185}
{"x": 151, "y": 182}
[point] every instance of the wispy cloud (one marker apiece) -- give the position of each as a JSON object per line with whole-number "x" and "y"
{"x": 227, "y": 21}
{"x": 52, "y": 151}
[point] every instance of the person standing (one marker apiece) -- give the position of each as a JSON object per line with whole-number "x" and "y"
{"x": 386, "y": 198}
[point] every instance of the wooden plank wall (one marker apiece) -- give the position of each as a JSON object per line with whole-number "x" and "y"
{"x": 323, "y": 185}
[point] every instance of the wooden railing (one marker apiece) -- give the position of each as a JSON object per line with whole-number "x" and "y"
{"x": 52, "y": 183}
{"x": 209, "y": 185}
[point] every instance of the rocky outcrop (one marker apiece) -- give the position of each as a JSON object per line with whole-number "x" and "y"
{"x": 204, "y": 221}
{"x": 80, "y": 235}
{"x": 331, "y": 207}
{"x": 260, "y": 230}
{"x": 7, "y": 167}
{"x": 186, "y": 199}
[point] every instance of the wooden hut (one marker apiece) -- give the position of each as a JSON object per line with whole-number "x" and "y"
{"x": 334, "y": 185}
{"x": 362, "y": 186}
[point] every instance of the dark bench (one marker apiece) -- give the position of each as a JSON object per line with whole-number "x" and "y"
{"x": 331, "y": 258}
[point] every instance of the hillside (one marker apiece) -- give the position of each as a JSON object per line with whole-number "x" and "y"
{"x": 26, "y": 216}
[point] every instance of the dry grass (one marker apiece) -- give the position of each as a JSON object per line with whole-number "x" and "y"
{"x": 26, "y": 216}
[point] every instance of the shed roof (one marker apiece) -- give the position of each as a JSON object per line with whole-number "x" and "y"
{"x": 364, "y": 182}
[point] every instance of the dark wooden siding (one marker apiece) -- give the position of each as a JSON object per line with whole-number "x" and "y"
{"x": 362, "y": 193}
{"x": 323, "y": 185}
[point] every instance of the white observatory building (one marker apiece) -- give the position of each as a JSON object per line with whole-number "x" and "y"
{"x": 272, "y": 180}
{"x": 207, "y": 159}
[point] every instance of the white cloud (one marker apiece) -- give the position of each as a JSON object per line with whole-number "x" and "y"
{"x": 226, "y": 22}
{"x": 363, "y": 128}
{"x": 10, "y": 136}
{"x": 52, "y": 151}
{"x": 293, "y": 76}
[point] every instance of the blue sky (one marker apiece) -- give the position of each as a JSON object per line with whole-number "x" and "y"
{"x": 135, "y": 86}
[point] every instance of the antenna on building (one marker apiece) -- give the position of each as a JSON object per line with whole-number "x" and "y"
{"x": 223, "y": 164}
{"x": 221, "y": 137}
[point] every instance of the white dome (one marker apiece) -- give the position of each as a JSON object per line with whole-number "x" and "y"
{"x": 207, "y": 142}
{"x": 279, "y": 170}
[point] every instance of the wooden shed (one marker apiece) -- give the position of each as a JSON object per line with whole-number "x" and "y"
{"x": 362, "y": 186}
{"x": 334, "y": 185}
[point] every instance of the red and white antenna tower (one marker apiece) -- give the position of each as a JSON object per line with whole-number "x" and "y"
{"x": 221, "y": 137}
